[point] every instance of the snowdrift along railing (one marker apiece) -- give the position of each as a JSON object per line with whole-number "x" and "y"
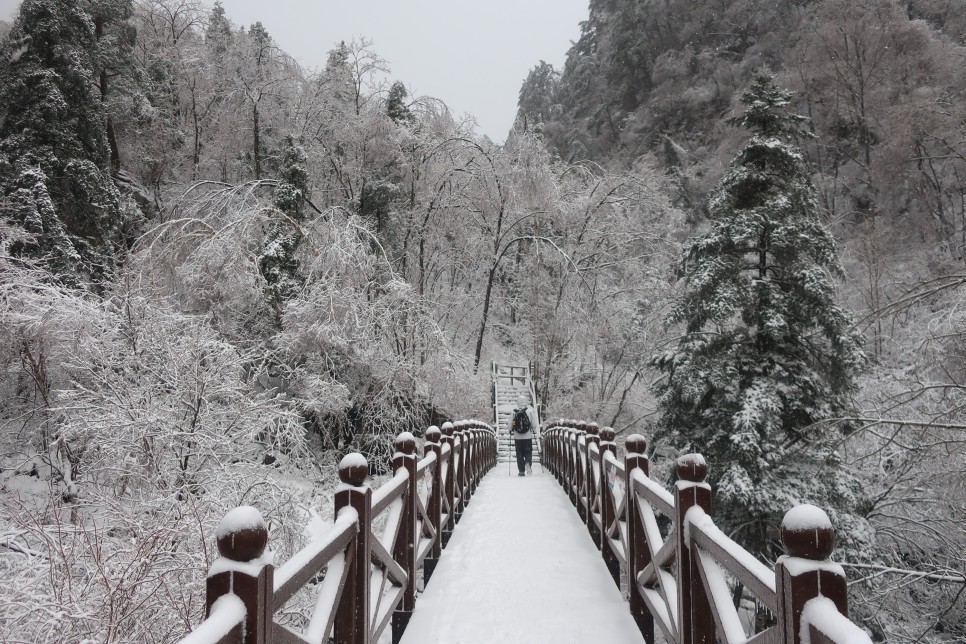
{"x": 369, "y": 574}
{"x": 681, "y": 582}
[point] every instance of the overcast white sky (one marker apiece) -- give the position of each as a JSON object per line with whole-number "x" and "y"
{"x": 472, "y": 54}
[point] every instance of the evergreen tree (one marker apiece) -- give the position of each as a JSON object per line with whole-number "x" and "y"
{"x": 116, "y": 77}
{"x": 55, "y": 166}
{"x": 396, "y": 106}
{"x": 766, "y": 352}
{"x": 218, "y": 32}
{"x": 538, "y": 95}
{"x": 277, "y": 261}
{"x": 338, "y": 75}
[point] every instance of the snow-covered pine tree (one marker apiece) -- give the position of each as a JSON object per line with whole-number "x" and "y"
{"x": 277, "y": 261}
{"x": 396, "y": 107}
{"x": 218, "y": 32}
{"x": 54, "y": 170}
{"x": 116, "y": 70}
{"x": 766, "y": 352}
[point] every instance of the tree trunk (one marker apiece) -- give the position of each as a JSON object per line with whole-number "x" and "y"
{"x": 486, "y": 313}
{"x": 256, "y": 142}
{"x": 103, "y": 84}
{"x": 196, "y": 152}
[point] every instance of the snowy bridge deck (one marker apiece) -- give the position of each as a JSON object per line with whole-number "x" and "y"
{"x": 525, "y": 561}
{"x": 521, "y": 568}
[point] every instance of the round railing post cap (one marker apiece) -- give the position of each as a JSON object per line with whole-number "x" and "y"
{"x": 607, "y": 434}
{"x": 433, "y": 434}
{"x": 807, "y": 532}
{"x": 242, "y": 535}
{"x": 635, "y": 444}
{"x": 593, "y": 429}
{"x": 448, "y": 428}
{"x": 691, "y": 467}
{"x": 353, "y": 469}
{"x": 406, "y": 443}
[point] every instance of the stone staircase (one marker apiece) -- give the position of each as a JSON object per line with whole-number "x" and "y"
{"x": 510, "y": 384}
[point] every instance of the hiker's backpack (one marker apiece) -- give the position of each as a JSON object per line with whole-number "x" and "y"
{"x": 521, "y": 421}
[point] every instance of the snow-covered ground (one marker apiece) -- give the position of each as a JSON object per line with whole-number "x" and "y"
{"x": 520, "y": 568}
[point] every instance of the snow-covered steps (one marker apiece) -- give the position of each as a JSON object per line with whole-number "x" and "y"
{"x": 512, "y": 384}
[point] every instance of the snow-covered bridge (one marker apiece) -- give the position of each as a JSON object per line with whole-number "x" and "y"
{"x": 523, "y": 565}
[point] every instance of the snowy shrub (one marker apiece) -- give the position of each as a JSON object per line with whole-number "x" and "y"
{"x": 130, "y": 429}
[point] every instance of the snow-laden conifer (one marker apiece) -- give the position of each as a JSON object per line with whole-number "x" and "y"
{"x": 55, "y": 170}
{"x": 277, "y": 261}
{"x": 766, "y": 352}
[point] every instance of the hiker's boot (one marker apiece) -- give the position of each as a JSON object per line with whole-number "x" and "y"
{"x": 529, "y": 470}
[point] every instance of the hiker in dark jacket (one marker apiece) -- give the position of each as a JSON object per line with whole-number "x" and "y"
{"x": 523, "y": 441}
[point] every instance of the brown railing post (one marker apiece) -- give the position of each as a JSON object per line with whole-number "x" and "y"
{"x": 805, "y": 572}
{"x": 556, "y": 454}
{"x": 459, "y": 472}
{"x": 562, "y": 458}
{"x": 694, "y": 610}
{"x": 607, "y": 510}
{"x": 449, "y": 484}
{"x": 435, "y": 503}
{"x": 466, "y": 447}
{"x": 352, "y": 615}
{"x": 405, "y": 550}
{"x": 484, "y": 453}
{"x": 494, "y": 455}
{"x": 569, "y": 443}
{"x": 552, "y": 442}
{"x": 484, "y": 438}
{"x": 241, "y": 538}
{"x": 469, "y": 440}
{"x": 638, "y": 556}
{"x": 580, "y": 471}
{"x": 559, "y": 453}
{"x": 479, "y": 455}
{"x": 591, "y": 482}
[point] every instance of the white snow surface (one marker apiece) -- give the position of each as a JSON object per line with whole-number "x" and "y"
{"x": 821, "y": 613}
{"x": 806, "y": 517}
{"x": 799, "y": 566}
{"x": 241, "y": 518}
{"x": 251, "y": 568}
{"x": 698, "y": 517}
{"x": 697, "y": 459}
{"x": 521, "y": 567}
{"x": 353, "y": 460}
{"x": 226, "y": 612}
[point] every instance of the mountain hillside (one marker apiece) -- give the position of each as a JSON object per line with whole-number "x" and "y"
{"x": 882, "y": 80}
{"x": 883, "y": 86}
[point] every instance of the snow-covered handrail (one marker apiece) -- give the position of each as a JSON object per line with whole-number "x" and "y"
{"x": 297, "y": 571}
{"x": 826, "y": 625}
{"x": 369, "y": 578}
{"x": 679, "y": 579}
{"x": 756, "y": 576}
{"x": 389, "y": 491}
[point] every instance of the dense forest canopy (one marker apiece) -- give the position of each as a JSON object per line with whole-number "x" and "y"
{"x": 221, "y": 271}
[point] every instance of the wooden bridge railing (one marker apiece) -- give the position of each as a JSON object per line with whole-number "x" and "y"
{"x": 369, "y": 575}
{"x": 681, "y": 582}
